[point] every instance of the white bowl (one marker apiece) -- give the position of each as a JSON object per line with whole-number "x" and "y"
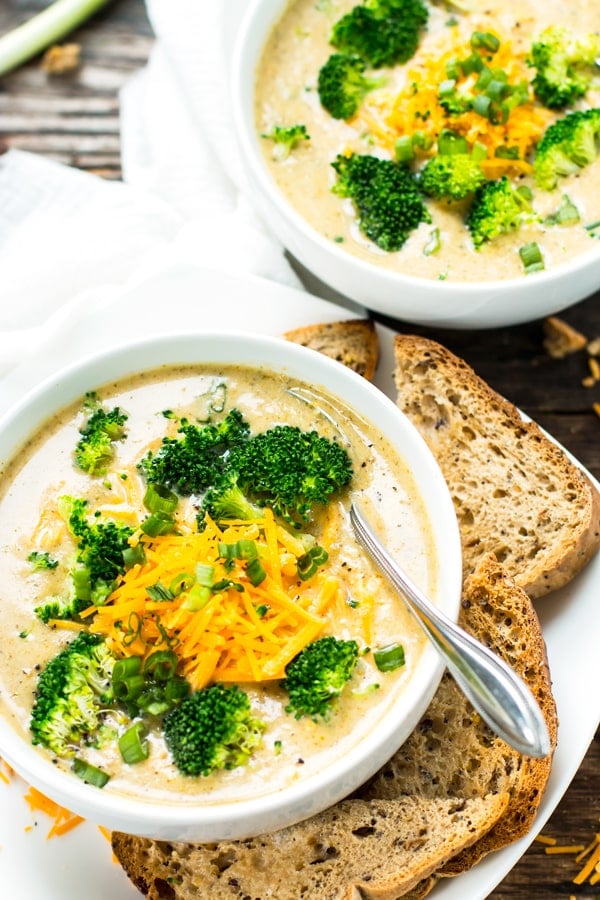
{"x": 185, "y": 821}
{"x": 448, "y": 304}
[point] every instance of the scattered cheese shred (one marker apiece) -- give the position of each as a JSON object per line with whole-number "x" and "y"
{"x": 387, "y": 115}
{"x": 64, "y": 819}
{"x": 590, "y": 867}
{"x": 6, "y": 771}
{"x": 565, "y": 848}
{"x": 240, "y": 632}
{"x": 544, "y": 839}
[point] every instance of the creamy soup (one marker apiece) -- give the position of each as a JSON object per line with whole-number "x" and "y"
{"x": 346, "y": 597}
{"x": 286, "y": 94}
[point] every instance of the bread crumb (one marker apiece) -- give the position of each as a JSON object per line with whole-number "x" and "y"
{"x": 561, "y": 339}
{"x": 60, "y": 59}
{"x": 593, "y": 347}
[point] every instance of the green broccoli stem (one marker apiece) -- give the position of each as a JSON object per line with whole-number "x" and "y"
{"x": 51, "y": 25}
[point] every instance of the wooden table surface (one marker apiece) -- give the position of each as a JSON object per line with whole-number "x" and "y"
{"x": 75, "y": 119}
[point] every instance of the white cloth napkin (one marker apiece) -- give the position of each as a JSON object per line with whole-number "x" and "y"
{"x": 66, "y": 236}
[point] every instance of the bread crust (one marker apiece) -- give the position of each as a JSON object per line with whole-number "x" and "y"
{"x": 352, "y": 342}
{"x": 372, "y": 850}
{"x": 452, "y": 752}
{"x": 516, "y": 492}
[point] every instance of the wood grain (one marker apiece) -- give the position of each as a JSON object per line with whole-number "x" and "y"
{"x": 75, "y": 119}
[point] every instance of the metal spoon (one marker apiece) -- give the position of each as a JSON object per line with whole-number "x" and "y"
{"x": 498, "y": 694}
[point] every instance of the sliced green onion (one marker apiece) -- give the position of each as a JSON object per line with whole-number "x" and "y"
{"x": 592, "y": 226}
{"x": 485, "y": 76}
{"x": 255, "y": 571}
{"x": 205, "y": 574}
{"x": 41, "y": 31}
{"x": 404, "y": 150}
{"x": 506, "y": 152}
{"x": 531, "y": 257}
{"x": 152, "y": 701}
{"x": 261, "y": 610}
{"x": 197, "y": 598}
{"x": 482, "y": 105}
{"x": 128, "y": 689}
{"x": 566, "y": 214}
{"x": 525, "y": 192}
{"x": 134, "y": 556}
{"x": 156, "y": 524}
{"x": 124, "y": 668}
{"x": 159, "y": 592}
{"x": 472, "y": 63}
{"x": 447, "y": 88}
{"x": 225, "y": 583}
{"x": 451, "y": 143}
{"x": 89, "y": 773}
{"x": 159, "y": 499}
{"x": 308, "y": 564}
{"x": 246, "y": 549}
{"x": 176, "y": 689}
{"x": 497, "y": 89}
{"x": 227, "y": 551}
{"x": 82, "y": 582}
{"x": 452, "y": 70}
{"x": 182, "y": 582}
{"x": 422, "y": 140}
{"x": 434, "y": 243}
{"x": 161, "y": 665}
{"x": 485, "y": 40}
{"x": 389, "y": 658}
{"x": 133, "y": 749}
{"x": 479, "y": 151}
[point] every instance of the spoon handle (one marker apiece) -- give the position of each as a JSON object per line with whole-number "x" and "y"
{"x": 498, "y": 694}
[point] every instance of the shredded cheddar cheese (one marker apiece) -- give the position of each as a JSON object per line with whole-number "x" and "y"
{"x": 387, "y": 115}
{"x": 244, "y": 631}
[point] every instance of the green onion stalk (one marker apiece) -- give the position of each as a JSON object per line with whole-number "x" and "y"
{"x": 46, "y": 28}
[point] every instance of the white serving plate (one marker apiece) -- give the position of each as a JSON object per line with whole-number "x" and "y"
{"x": 80, "y": 863}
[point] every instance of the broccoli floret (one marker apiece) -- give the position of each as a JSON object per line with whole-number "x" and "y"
{"x": 451, "y": 177}
{"x": 226, "y": 500}
{"x": 191, "y": 463}
{"x": 41, "y": 560}
{"x": 317, "y": 676}
{"x": 100, "y": 547}
{"x": 71, "y": 693}
{"x": 98, "y": 560}
{"x": 285, "y": 468}
{"x": 565, "y": 65}
{"x": 95, "y": 449}
{"x": 286, "y": 137}
{"x": 567, "y": 146}
{"x": 382, "y": 32}
{"x": 385, "y": 194}
{"x": 342, "y": 85}
{"x": 212, "y": 729}
{"x": 498, "y": 207}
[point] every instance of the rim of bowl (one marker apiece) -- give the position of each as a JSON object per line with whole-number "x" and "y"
{"x": 166, "y": 819}
{"x": 253, "y": 32}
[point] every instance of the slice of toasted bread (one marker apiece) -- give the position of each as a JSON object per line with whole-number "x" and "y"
{"x": 416, "y": 820}
{"x": 452, "y": 753}
{"x": 353, "y": 342}
{"x": 515, "y": 492}
{"x": 372, "y": 850}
